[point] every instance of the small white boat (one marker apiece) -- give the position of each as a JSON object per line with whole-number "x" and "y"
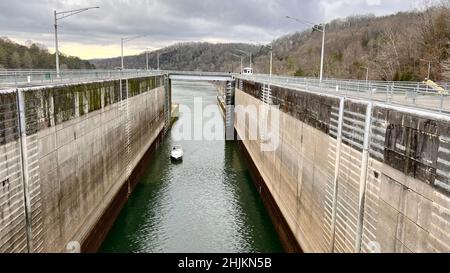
{"x": 176, "y": 153}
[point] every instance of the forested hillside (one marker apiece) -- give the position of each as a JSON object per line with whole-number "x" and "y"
{"x": 35, "y": 56}
{"x": 395, "y": 47}
{"x": 187, "y": 56}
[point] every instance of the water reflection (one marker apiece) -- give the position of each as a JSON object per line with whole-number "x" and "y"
{"x": 206, "y": 203}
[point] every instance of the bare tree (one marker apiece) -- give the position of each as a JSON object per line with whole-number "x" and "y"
{"x": 15, "y": 61}
{"x": 27, "y": 61}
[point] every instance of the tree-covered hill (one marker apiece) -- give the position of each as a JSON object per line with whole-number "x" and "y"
{"x": 187, "y": 56}
{"x": 394, "y": 47}
{"x": 35, "y": 56}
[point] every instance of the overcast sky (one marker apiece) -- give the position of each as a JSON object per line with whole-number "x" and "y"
{"x": 96, "y": 33}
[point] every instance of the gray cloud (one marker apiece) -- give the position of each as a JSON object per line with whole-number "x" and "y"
{"x": 168, "y": 21}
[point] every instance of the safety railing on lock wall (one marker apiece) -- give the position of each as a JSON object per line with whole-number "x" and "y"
{"x": 416, "y": 94}
{"x": 197, "y": 73}
{"x": 26, "y": 78}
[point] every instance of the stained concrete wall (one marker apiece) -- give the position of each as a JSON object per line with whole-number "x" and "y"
{"x": 82, "y": 143}
{"x": 12, "y": 206}
{"x": 406, "y": 198}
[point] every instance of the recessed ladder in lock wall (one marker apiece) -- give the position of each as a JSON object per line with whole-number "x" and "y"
{"x": 167, "y": 104}
{"x": 266, "y": 94}
{"x": 229, "y": 103}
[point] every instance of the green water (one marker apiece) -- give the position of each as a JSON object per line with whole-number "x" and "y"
{"x": 207, "y": 203}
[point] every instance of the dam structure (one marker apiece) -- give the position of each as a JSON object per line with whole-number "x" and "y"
{"x": 354, "y": 167}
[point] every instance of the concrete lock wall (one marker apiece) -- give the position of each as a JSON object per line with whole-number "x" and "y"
{"x": 80, "y": 145}
{"x": 399, "y": 203}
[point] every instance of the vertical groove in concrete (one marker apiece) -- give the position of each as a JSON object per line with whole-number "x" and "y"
{"x": 25, "y": 177}
{"x": 363, "y": 177}
{"x": 336, "y": 173}
{"x": 167, "y": 102}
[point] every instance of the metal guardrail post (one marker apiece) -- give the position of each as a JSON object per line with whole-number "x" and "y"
{"x": 416, "y": 91}
{"x": 392, "y": 91}
{"x": 387, "y": 93}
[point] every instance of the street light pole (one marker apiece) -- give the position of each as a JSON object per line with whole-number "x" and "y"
{"x": 59, "y": 16}
{"x": 322, "y": 29}
{"x": 429, "y": 67}
{"x": 146, "y": 55}
{"x": 239, "y": 56}
{"x": 242, "y": 66}
{"x": 367, "y": 73}
{"x": 122, "y": 41}
{"x": 323, "y": 49}
{"x": 56, "y": 46}
{"x": 157, "y": 60}
{"x": 247, "y": 53}
{"x": 121, "y": 53}
{"x": 271, "y": 55}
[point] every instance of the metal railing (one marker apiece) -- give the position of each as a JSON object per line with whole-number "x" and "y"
{"x": 197, "y": 73}
{"x": 415, "y": 94}
{"x": 35, "y": 77}
{"x": 25, "y": 78}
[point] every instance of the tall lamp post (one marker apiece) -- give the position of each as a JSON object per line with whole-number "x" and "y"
{"x": 270, "y": 47}
{"x": 122, "y": 41}
{"x": 146, "y": 55}
{"x": 429, "y": 67}
{"x": 157, "y": 60}
{"x": 429, "y": 70}
{"x": 58, "y": 16}
{"x": 239, "y": 56}
{"x": 321, "y": 29}
{"x": 247, "y": 53}
{"x": 367, "y": 73}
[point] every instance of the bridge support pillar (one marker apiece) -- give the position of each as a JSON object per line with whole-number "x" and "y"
{"x": 229, "y": 110}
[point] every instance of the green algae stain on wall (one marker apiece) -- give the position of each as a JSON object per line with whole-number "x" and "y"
{"x": 59, "y": 104}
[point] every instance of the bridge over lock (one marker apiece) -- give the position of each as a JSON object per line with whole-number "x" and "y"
{"x": 359, "y": 167}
